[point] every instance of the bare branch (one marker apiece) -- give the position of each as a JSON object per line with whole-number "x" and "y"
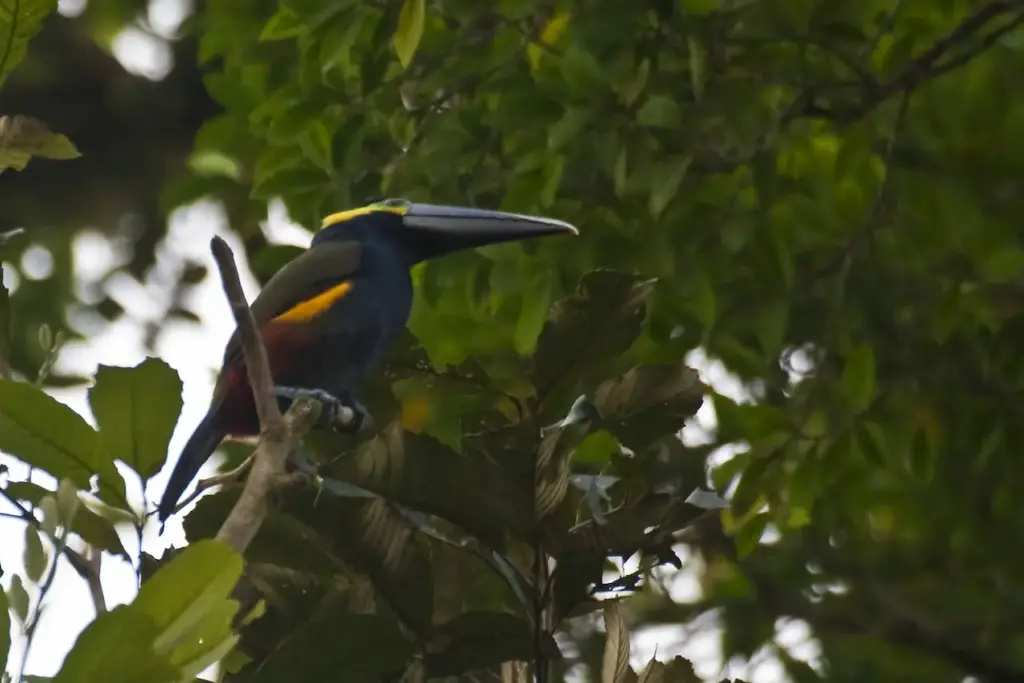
{"x": 95, "y": 560}
{"x": 256, "y": 363}
{"x": 926, "y": 66}
{"x": 279, "y": 435}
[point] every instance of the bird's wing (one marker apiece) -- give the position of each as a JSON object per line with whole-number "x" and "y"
{"x": 301, "y": 290}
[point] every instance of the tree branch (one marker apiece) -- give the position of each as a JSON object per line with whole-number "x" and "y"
{"x": 926, "y": 67}
{"x": 279, "y": 435}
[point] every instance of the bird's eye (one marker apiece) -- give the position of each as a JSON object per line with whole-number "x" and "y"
{"x": 394, "y": 202}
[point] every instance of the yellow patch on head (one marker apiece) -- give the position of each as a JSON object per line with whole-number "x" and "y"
{"x": 311, "y": 308}
{"x": 343, "y": 216}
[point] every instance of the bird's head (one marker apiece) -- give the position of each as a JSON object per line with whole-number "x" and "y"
{"x": 426, "y": 231}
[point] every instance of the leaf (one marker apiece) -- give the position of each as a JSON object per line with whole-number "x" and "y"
{"x": 18, "y": 598}
{"x": 188, "y": 595}
{"x": 22, "y": 138}
{"x": 533, "y": 314}
{"x": 5, "y": 630}
{"x": 649, "y": 402}
{"x": 117, "y": 646}
{"x": 698, "y": 66}
{"x": 477, "y": 640}
{"x": 35, "y": 554}
{"x": 94, "y": 529}
{"x": 596, "y": 449}
{"x": 586, "y": 334}
{"x": 45, "y": 433}
{"x": 707, "y": 500}
{"x": 1003, "y": 265}
{"x": 664, "y": 185}
{"x": 410, "y": 30}
{"x": 654, "y": 672}
{"x": 136, "y": 410}
{"x": 284, "y": 24}
{"x": 553, "y": 30}
{"x": 660, "y": 111}
{"x": 568, "y": 127}
{"x": 19, "y": 22}
{"x": 858, "y": 378}
{"x": 615, "y": 664}
{"x": 341, "y": 647}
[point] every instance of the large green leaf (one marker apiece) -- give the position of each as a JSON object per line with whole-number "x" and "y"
{"x": 46, "y": 434}
{"x": 136, "y": 410}
{"x": 118, "y": 645}
{"x": 189, "y": 603}
{"x": 475, "y": 640}
{"x": 20, "y": 20}
{"x": 349, "y": 647}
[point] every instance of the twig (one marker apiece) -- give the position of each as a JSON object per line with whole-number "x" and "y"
{"x": 279, "y": 434}
{"x": 74, "y": 558}
{"x": 256, "y": 364}
{"x": 925, "y": 67}
{"x": 214, "y": 480}
{"x": 99, "y": 600}
{"x": 59, "y": 544}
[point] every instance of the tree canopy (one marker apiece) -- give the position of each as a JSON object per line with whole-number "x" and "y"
{"x": 824, "y": 195}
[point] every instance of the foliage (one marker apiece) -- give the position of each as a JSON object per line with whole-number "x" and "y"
{"x": 832, "y": 184}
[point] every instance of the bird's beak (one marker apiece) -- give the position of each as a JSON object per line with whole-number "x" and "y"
{"x": 451, "y": 227}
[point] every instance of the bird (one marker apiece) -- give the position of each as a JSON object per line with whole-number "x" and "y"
{"x": 329, "y": 316}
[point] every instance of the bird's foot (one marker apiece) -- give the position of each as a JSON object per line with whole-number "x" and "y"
{"x": 348, "y": 416}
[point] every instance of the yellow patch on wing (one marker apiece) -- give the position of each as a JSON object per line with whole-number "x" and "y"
{"x": 311, "y": 308}
{"x": 343, "y": 216}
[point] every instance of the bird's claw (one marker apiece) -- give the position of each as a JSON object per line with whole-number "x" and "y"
{"x": 346, "y": 416}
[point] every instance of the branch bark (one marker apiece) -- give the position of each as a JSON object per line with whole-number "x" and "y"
{"x": 280, "y": 434}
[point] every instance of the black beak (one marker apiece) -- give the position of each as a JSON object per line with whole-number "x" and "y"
{"x": 451, "y": 228}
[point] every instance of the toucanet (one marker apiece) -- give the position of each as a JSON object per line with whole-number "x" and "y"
{"x": 328, "y": 317}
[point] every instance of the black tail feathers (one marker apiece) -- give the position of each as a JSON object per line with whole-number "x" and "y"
{"x": 200, "y": 447}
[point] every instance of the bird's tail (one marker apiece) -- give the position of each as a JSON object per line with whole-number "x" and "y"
{"x": 200, "y": 447}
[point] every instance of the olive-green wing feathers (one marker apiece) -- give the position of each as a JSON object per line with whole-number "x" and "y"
{"x": 292, "y": 292}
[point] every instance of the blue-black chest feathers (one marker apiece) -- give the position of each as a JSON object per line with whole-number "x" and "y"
{"x": 357, "y": 331}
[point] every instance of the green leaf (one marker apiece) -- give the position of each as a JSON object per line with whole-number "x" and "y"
{"x": 18, "y": 598}
{"x": 596, "y": 449}
{"x": 5, "y": 630}
{"x": 35, "y": 554}
{"x": 118, "y": 646}
{"x": 136, "y": 410}
{"x": 19, "y": 22}
{"x": 410, "y": 30}
{"x": 476, "y": 640}
{"x": 698, "y": 66}
{"x": 282, "y": 25}
{"x": 568, "y": 127}
{"x": 373, "y": 648}
{"x": 533, "y": 314}
{"x": 22, "y": 138}
{"x": 94, "y": 529}
{"x": 45, "y": 433}
{"x": 664, "y": 185}
{"x": 858, "y": 379}
{"x": 699, "y": 7}
{"x": 1003, "y": 265}
{"x": 190, "y": 594}
{"x": 660, "y": 111}
{"x": 750, "y": 533}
